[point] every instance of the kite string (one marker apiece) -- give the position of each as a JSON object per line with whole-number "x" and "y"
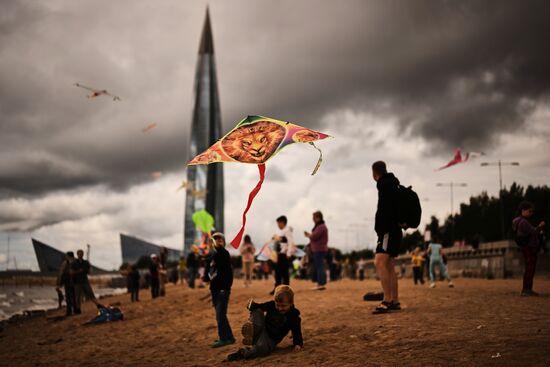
{"x": 319, "y": 160}
{"x": 235, "y": 242}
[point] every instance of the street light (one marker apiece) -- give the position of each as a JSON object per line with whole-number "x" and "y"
{"x": 452, "y": 185}
{"x": 499, "y": 163}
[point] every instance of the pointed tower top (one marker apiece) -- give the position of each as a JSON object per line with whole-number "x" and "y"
{"x": 207, "y": 44}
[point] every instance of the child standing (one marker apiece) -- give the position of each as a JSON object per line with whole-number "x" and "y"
{"x": 436, "y": 259}
{"x": 268, "y": 324}
{"x": 219, "y": 273}
{"x": 133, "y": 283}
{"x": 527, "y": 238}
{"x": 417, "y": 261}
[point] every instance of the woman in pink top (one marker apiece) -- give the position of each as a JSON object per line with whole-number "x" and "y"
{"x": 247, "y": 252}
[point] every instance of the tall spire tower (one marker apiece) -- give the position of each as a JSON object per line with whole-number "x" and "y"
{"x": 205, "y": 189}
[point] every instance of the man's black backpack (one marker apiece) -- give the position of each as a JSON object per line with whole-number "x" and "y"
{"x": 409, "y": 209}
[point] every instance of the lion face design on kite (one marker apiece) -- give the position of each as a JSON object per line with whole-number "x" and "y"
{"x": 305, "y": 136}
{"x": 254, "y": 143}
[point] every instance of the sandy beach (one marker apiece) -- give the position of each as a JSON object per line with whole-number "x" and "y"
{"x": 480, "y": 322}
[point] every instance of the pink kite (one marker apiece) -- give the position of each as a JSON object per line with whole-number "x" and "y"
{"x": 458, "y": 158}
{"x": 255, "y": 140}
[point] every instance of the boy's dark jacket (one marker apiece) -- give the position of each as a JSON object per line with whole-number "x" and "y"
{"x": 218, "y": 270}
{"x": 278, "y": 325}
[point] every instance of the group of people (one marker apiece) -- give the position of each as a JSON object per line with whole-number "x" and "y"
{"x": 73, "y": 278}
{"x": 435, "y": 259}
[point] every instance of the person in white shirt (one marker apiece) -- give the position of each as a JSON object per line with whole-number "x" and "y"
{"x": 285, "y": 248}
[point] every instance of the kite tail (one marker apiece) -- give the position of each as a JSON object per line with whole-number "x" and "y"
{"x": 319, "y": 160}
{"x": 235, "y": 242}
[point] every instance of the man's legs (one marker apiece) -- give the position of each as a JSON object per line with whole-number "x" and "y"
{"x": 69, "y": 299}
{"x": 381, "y": 261}
{"x": 393, "y": 280}
{"x": 319, "y": 260}
{"x": 77, "y": 298}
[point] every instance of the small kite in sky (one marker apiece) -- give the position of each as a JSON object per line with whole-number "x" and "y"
{"x": 149, "y": 127}
{"x": 458, "y": 158}
{"x": 97, "y": 92}
{"x": 255, "y": 140}
{"x": 185, "y": 185}
{"x": 156, "y": 174}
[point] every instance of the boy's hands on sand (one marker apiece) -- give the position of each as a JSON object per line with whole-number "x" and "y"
{"x": 297, "y": 348}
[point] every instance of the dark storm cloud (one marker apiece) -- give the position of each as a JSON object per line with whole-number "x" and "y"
{"x": 456, "y": 73}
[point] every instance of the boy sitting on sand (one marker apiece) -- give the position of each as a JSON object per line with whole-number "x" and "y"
{"x": 268, "y": 324}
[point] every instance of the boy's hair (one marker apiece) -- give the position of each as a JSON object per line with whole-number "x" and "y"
{"x": 379, "y": 167}
{"x": 282, "y": 218}
{"x": 284, "y": 293}
{"x": 525, "y": 205}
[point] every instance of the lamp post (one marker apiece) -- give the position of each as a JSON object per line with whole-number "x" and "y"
{"x": 499, "y": 163}
{"x": 452, "y": 185}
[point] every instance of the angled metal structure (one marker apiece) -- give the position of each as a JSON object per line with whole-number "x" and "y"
{"x": 205, "y": 182}
{"x": 50, "y": 259}
{"x": 132, "y": 248}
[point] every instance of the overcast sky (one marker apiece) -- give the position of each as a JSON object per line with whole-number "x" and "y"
{"x": 405, "y": 82}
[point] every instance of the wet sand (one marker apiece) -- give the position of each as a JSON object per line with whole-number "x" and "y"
{"x": 478, "y": 323}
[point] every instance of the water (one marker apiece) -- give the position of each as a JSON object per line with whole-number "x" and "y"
{"x": 16, "y": 300}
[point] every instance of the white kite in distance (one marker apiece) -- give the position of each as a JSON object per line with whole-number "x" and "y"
{"x": 97, "y": 92}
{"x": 459, "y": 159}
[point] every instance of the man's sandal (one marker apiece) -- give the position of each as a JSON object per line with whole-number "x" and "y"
{"x": 383, "y": 307}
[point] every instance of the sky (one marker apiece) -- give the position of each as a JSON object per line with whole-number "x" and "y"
{"x": 399, "y": 81}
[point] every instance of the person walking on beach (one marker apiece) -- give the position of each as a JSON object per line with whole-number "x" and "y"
{"x": 417, "y": 261}
{"x": 65, "y": 280}
{"x": 284, "y": 248}
{"x": 437, "y": 259}
{"x": 247, "y": 252}
{"x": 154, "y": 276}
{"x": 133, "y": 283}
{"x": 219, "y": 273}
{"x": 192, "y": 266}
{"x": 80, "y": 269}
{"x": 527, "y": 238}
{"x": 318, "y": 242}
{"x": 389, "y": 235}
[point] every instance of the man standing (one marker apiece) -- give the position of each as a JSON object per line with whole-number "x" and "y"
{"x": 65, "y": 279}
{"x": 318, "y": 242}
{"x": 389, "y": 236}
{"x": 79, "y": 271}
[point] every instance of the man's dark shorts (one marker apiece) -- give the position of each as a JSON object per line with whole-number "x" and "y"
{"x": 389, "y": 243}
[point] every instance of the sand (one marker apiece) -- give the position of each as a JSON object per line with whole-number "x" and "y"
{"x": 478, "y": 323}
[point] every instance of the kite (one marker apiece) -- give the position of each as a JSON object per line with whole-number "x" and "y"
{"x": 98, "y": 92}
{"x": 203, "y": 220}
{"x": 149, "y": 127}
{"x": 458, "y": 158}
{"x": 185, "y": 185}
{"x": 255, "y": 140}
{"x": 156, "y": 174}
{"x": 267, "y": 253}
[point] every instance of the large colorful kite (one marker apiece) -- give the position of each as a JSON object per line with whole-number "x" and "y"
{"x": 255, "y": 140}
{"x": 458, "y": 158}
